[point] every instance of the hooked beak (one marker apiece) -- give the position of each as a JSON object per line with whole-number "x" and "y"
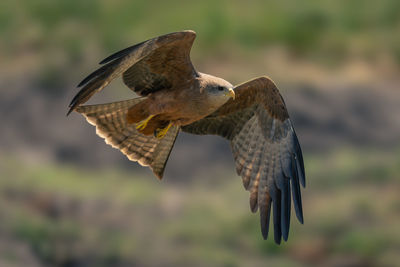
{"x": 231, "y": 93}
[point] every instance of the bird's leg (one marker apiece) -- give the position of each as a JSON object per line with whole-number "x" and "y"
{"x": 141, "y": 125}
{"x": 160, "y": 133}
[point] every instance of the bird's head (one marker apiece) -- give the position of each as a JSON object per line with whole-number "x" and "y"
{"x": 221, "y": 91}
{"x": 218, "y": 90}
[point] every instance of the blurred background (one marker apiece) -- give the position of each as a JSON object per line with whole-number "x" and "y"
{"x": 67, "y": 199}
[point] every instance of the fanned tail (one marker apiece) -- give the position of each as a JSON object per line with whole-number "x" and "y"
{"x": 111, "y": 124}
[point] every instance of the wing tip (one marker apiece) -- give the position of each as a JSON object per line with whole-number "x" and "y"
{"x": 265, "y": 214}
{"x": 264, "y": 232}
{"x": 69, "y": 112}
{"x": 299, "y": 160}
{"x": 104, "y": 61}
{"x": 285, "y": 213}
{"x": 81, "y": 83}
{"x": 76, "y": 101}
{"x": 73, "y": 106}
{"x": 285, "y": 235}
{"x": 253, "y": 203}
{"x": 121, "y": 53}
{"x": 115, "y": 56}
{"x": 90, "y": 77}
{"x": 277, "y": 238}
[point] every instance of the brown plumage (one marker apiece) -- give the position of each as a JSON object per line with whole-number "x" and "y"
{"x": 174, "y": 97}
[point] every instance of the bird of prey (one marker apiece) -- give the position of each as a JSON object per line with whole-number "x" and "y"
{"x": 175, "y": 97}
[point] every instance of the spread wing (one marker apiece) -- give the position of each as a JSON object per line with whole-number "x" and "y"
{"x": 265, "y": 148}
{"x": 157, "y": 64}
{"x": 111, "y": 124}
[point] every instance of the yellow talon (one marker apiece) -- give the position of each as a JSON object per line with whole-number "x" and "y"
{"x": 160, "y": 133}
{"x": 141, "y": 125}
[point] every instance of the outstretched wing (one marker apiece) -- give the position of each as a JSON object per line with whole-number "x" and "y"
{"x": 157, "y": 64}
{"x": 111, "y": 124}
{"x": 265, "y": 148}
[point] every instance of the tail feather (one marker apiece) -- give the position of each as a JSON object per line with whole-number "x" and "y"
{"x": 111, "y": 124}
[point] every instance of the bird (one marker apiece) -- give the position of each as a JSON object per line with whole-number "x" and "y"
{"x": 174, "y": 97}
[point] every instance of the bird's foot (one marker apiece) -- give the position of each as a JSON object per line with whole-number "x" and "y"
{"x": 141, "y": 125}
{"x": 160, "y": 133}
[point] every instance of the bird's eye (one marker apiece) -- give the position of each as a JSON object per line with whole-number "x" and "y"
{"x": 220, "y": 88}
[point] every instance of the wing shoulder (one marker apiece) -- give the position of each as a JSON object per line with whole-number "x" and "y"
{"x": 260, "y": 91}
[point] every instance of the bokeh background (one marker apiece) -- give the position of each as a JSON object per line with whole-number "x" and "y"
{"x": 67, "y": 199}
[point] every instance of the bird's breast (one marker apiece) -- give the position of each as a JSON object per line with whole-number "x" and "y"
{"x": 182, "y": 106}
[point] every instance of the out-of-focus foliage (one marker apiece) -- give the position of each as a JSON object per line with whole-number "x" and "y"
{"x": 330, "y": 30}
{"x": 73, "y": 216}
{"x": 67, "y": 199}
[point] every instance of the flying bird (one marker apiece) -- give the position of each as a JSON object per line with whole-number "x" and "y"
{"x": 175, "y": 97}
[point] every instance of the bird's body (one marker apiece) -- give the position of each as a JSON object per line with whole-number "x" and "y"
{"x": 202, "y": 96}
{"x": 175, "y": 97}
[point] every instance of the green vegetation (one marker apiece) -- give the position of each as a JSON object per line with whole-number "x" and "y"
{"x": 68, "y": 215}
{"x": 325, "y": 30}
{"x": 102, "y": 217}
